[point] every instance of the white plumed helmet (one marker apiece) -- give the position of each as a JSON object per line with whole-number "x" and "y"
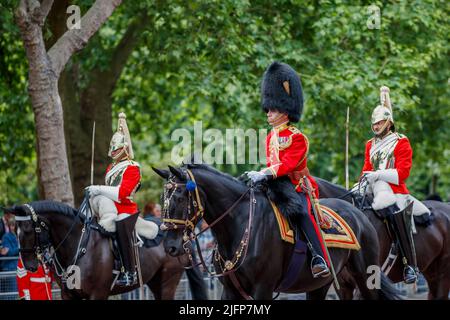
{"x": 384, "y": 110}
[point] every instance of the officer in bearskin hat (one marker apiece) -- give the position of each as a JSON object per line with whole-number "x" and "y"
{"x": 387, "y": 164}
{"x": 287, "y": 150}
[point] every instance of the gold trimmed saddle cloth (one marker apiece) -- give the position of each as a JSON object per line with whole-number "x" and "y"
{"x": 336, "y": 231}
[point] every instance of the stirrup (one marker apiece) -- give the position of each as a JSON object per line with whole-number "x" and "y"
{"x": 409, "y": 275}
{"x": 323, "y": 271}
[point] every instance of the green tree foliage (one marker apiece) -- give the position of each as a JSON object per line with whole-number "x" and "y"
{"x": 203, "y": 60}
{"x": 17, "y": 154}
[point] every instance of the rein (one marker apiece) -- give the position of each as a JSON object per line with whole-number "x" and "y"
{"x": 227, "y": 266}
{"x": 42, "y": 251}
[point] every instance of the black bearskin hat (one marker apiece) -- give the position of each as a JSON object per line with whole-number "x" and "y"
{"x": 281, "y": 90}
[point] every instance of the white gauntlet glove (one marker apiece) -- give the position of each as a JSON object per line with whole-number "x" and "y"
{"x": 107, "y": 191}
{"x": 387, "y": 175}
{"x": 257, "y": 176}
{"x": 371, "y": 177}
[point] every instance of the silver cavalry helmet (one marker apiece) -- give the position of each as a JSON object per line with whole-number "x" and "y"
{"x": 384, "y": 110}
{"x": 121, "y": 140}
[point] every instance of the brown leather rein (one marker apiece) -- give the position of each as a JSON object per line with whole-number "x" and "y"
{"x": 229, "y": 266}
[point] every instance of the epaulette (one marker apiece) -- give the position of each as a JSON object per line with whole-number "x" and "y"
{"x": 134, "y": 163}
{"x": 294, "y": 129}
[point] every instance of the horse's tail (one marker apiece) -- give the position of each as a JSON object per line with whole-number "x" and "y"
{"x": 388, "y": 290}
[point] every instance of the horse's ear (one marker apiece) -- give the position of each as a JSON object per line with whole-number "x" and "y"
{"x": 12, "y": 210}
{"x": 177, "y": 173}
{"x": 162, "y": 173}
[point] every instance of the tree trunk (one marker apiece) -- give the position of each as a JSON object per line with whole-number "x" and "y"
{"x": 44, "y": 70}
{"x": 83, "y": 106}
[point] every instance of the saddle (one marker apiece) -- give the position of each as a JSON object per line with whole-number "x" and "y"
{"x": 286, "y": 204}
{"x": 146, "y": 243}
{"x": 90, "y": 218}
{"x": 423, "y": 220}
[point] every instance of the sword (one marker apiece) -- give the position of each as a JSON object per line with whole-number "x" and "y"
{"x": 138, "y": 265}
{"x": 346, "y": 148}
{"x": 92, "y": 155}
{"x": 92, "y": 171}
{"x": 316, "y": 217}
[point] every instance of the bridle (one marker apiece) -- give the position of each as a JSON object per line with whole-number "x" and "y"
{"x": 188, "y": 224}
{"x": 194, "y": 212}
{"x": 39, "y": 248}
{"x": 43, "y": 250}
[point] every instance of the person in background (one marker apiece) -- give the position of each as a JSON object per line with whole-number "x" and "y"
{"x": 34, "y": 285}
{"x": 152, "y": 210}
{"x": 10, "y": 247}
{"x": 4, "y": 224}
{"x": 9, "y": 251}
{"x": 157, "y": 210}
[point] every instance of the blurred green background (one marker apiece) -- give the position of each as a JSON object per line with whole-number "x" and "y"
{"x": 203, "y": 60}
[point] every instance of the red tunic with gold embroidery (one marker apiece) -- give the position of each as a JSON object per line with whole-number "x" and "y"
{"x": 286, "y": 152}
{"x": 400, "y": 158}
{"x": 127, "y": 176}
{"x": 287, "y": 155}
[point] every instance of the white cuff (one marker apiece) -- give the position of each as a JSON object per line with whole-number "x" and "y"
{"x": 388, "y": 175}
{"x": 109, "y": 192}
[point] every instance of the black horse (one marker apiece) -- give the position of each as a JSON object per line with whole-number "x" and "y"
{"x": 432, "y": 242}
{"x": 251, "y": 254}
{"x": 62, "y": 228}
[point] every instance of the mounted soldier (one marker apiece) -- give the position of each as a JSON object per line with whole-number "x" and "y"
{"x": 287, "y": 150}
{"x": 387, "y": 165}
{"x": 114, "y": 201}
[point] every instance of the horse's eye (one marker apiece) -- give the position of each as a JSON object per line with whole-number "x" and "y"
{"x": 179, "y": 199}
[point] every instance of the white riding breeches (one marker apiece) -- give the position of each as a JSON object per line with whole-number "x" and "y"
{"x": 107, "y": 212}
{"x": 108, "y": 215}
{"x": 385, "y": 197}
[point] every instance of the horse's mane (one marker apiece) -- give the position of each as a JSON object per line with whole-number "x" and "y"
{"x": 213, "y": 170}
{"x": 331, "y": 185}
{"x": 46, "y": 206}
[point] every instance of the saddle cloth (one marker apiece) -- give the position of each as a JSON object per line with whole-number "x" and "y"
{"x": 337, "y": 233}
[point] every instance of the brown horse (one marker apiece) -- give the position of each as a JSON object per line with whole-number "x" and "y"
{"x": 432, "y": 243}
{"x": 60, "y": 236}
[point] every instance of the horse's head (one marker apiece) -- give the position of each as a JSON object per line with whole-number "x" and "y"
{"x": 33, "y": 234}
{"x": 182, "y": 208}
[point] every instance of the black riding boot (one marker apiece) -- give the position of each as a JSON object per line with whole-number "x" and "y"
{"x": 403, "y": 238}
{"x": 125, "y": 241}
{"x": 319, "y": 266}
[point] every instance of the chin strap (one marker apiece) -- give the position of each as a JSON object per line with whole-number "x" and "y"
{"x": 383, "y": 131}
